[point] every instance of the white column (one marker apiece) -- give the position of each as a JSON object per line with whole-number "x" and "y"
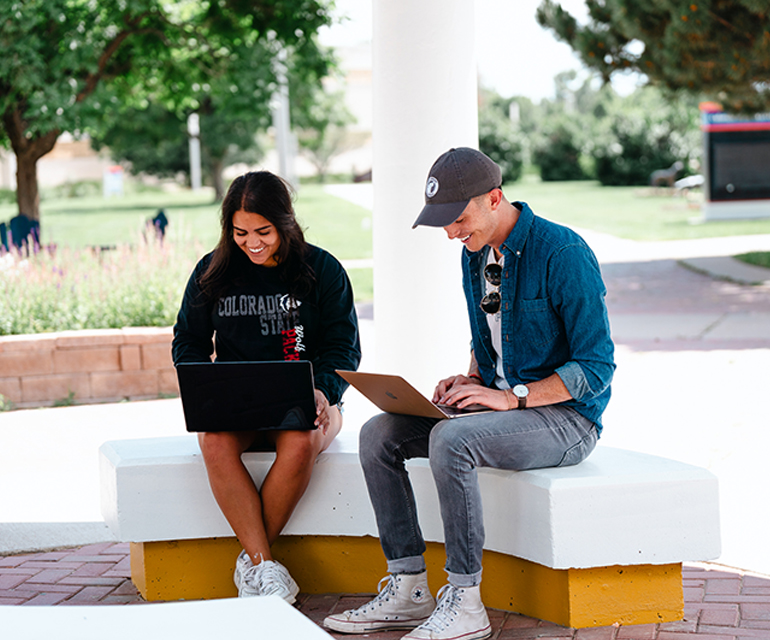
{"x": 425, "y": 102}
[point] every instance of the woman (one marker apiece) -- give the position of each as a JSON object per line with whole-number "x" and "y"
{"x": 266, "y": 294}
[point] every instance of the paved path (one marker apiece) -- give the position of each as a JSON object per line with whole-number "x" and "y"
{"x": 720, "y": 603}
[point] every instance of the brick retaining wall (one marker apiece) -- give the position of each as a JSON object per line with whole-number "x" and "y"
{"x": 102, "y": 365}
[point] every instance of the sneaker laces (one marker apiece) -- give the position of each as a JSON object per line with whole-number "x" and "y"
{"x": 384, "y": 594}
{"x": 447, "y": 608}
{"x": 267, "y": 578}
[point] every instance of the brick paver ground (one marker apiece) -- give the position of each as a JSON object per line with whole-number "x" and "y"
{"x": 720, "y": 603}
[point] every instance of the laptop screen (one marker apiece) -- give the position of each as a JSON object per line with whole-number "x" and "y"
{"x": 246, "y": 396}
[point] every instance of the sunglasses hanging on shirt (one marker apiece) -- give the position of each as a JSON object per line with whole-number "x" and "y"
{"x": 493, "y": 274}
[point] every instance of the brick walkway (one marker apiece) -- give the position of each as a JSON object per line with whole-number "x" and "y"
{"x": 720, "y": 603}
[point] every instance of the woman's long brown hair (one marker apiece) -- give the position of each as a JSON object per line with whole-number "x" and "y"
{"x": 270, "y": 196}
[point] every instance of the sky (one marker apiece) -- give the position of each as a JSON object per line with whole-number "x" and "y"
{"x": 502, "y": 28}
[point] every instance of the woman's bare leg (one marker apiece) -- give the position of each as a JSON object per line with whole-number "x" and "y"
{"x": 258, "y": 516}
{"x": 290, "y": 474}
{"x": 233, "y": 488}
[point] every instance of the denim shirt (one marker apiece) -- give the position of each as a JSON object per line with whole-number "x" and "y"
{"x": 553, "y": 320}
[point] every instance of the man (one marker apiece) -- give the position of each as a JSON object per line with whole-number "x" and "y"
{"x": 542, "y": 359}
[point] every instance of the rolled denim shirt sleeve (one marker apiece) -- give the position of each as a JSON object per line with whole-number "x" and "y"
{"x": 578, "y": 293}
{"x": 575, "y": 380}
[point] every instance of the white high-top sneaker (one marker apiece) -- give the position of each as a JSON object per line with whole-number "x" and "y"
{"x": 268, "y": 578}
{"x": 459, "y": 615}
{"x": 242, "y": 564}
{"x": 405, "y": 601}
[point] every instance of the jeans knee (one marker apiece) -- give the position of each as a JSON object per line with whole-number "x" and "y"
{"x": 371, "y": 441}
{"x": 447, "y": 446}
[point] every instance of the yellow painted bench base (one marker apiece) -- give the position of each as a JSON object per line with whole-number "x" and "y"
{"x": 578, "y": 598}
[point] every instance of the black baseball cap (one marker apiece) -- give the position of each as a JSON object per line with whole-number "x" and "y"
{"x": 457, "y": 176}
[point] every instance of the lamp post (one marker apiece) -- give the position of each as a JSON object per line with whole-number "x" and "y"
{"x": 193, "y": 129}
{"x": 284, "y": 140}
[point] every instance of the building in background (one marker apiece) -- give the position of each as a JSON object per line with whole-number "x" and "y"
{"x": 69, "y": 161}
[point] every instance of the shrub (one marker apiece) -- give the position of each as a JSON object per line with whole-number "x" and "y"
{"x": 500, "y": 140}
{"x": 646, "y": 131}
{"x": 634, "y": 150}
{"x": 559, "y": 155}
{"x": 6, "y": 404}
{"x": 56, "y": 290}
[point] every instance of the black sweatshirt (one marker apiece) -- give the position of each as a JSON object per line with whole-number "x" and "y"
{"x": 257, "y": 320}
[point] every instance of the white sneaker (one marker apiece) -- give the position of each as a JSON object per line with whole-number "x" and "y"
{"x": 266, "y": 579}
{"x": 405, "y": 601}
{"x": 459, "y": 615}
{"x": 242, "y": 563}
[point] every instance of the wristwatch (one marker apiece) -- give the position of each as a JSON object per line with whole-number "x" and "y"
{"x": 521, "y": 392}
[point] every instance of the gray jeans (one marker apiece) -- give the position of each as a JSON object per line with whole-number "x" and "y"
{"x": 554, "y": 436}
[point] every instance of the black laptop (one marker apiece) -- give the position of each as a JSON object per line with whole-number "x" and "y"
{"x": 246, "y": 396}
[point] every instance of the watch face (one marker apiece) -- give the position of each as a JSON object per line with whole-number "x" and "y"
{"x": 520, "y": 391}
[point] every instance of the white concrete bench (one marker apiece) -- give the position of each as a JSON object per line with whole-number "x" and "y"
{"x": 268, "y": 618}
{"x": 589, "y": 545}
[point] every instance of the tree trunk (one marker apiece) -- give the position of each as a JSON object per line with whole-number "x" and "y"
{"x": 217, "y": 166}
{"x": 28, "y": 151}
{"x": 27, "y": 194}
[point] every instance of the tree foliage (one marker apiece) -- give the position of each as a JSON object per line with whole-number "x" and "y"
{"x": 151, "y": 141}
{"x": 716, "y": 48}
{"x": 643, "y": 132}
{"x": 559, "y": 153}
{"x": 66, "y": 65}
{"x": 564, "y": 128}
{"x": 322, "y": 125}
{"x": 499, "y": 137}
{"x": 589, "y": 131}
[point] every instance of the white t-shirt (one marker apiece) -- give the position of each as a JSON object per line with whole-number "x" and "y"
{"x": 494, "y": 320}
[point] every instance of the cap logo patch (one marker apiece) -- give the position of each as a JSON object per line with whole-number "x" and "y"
{"x": 431, "y": 188}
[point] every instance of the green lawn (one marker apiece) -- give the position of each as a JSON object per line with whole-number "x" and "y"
{"x": 635, "y": 213}
{"x": 337, "y": 225}
{"x": 756, "y": 258}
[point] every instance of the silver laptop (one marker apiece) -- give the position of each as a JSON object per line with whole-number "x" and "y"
{"x": 393, "y": 394}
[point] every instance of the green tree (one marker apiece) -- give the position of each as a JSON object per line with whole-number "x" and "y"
{"x": 152, "y": 141}
{"x": 155, "y": 141}
{"x": 232, "y": 98}
{"x": 559, "y": 153}
{"x": 641, "y": 133}
{"x": 322, "y": 125}
{"x": 716, "y": 48}
{"x": 232, "y": 93}
{"x": 65, "y": 63}
{"x": 499, "y": 137}
{"x": 54, "y": 55}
